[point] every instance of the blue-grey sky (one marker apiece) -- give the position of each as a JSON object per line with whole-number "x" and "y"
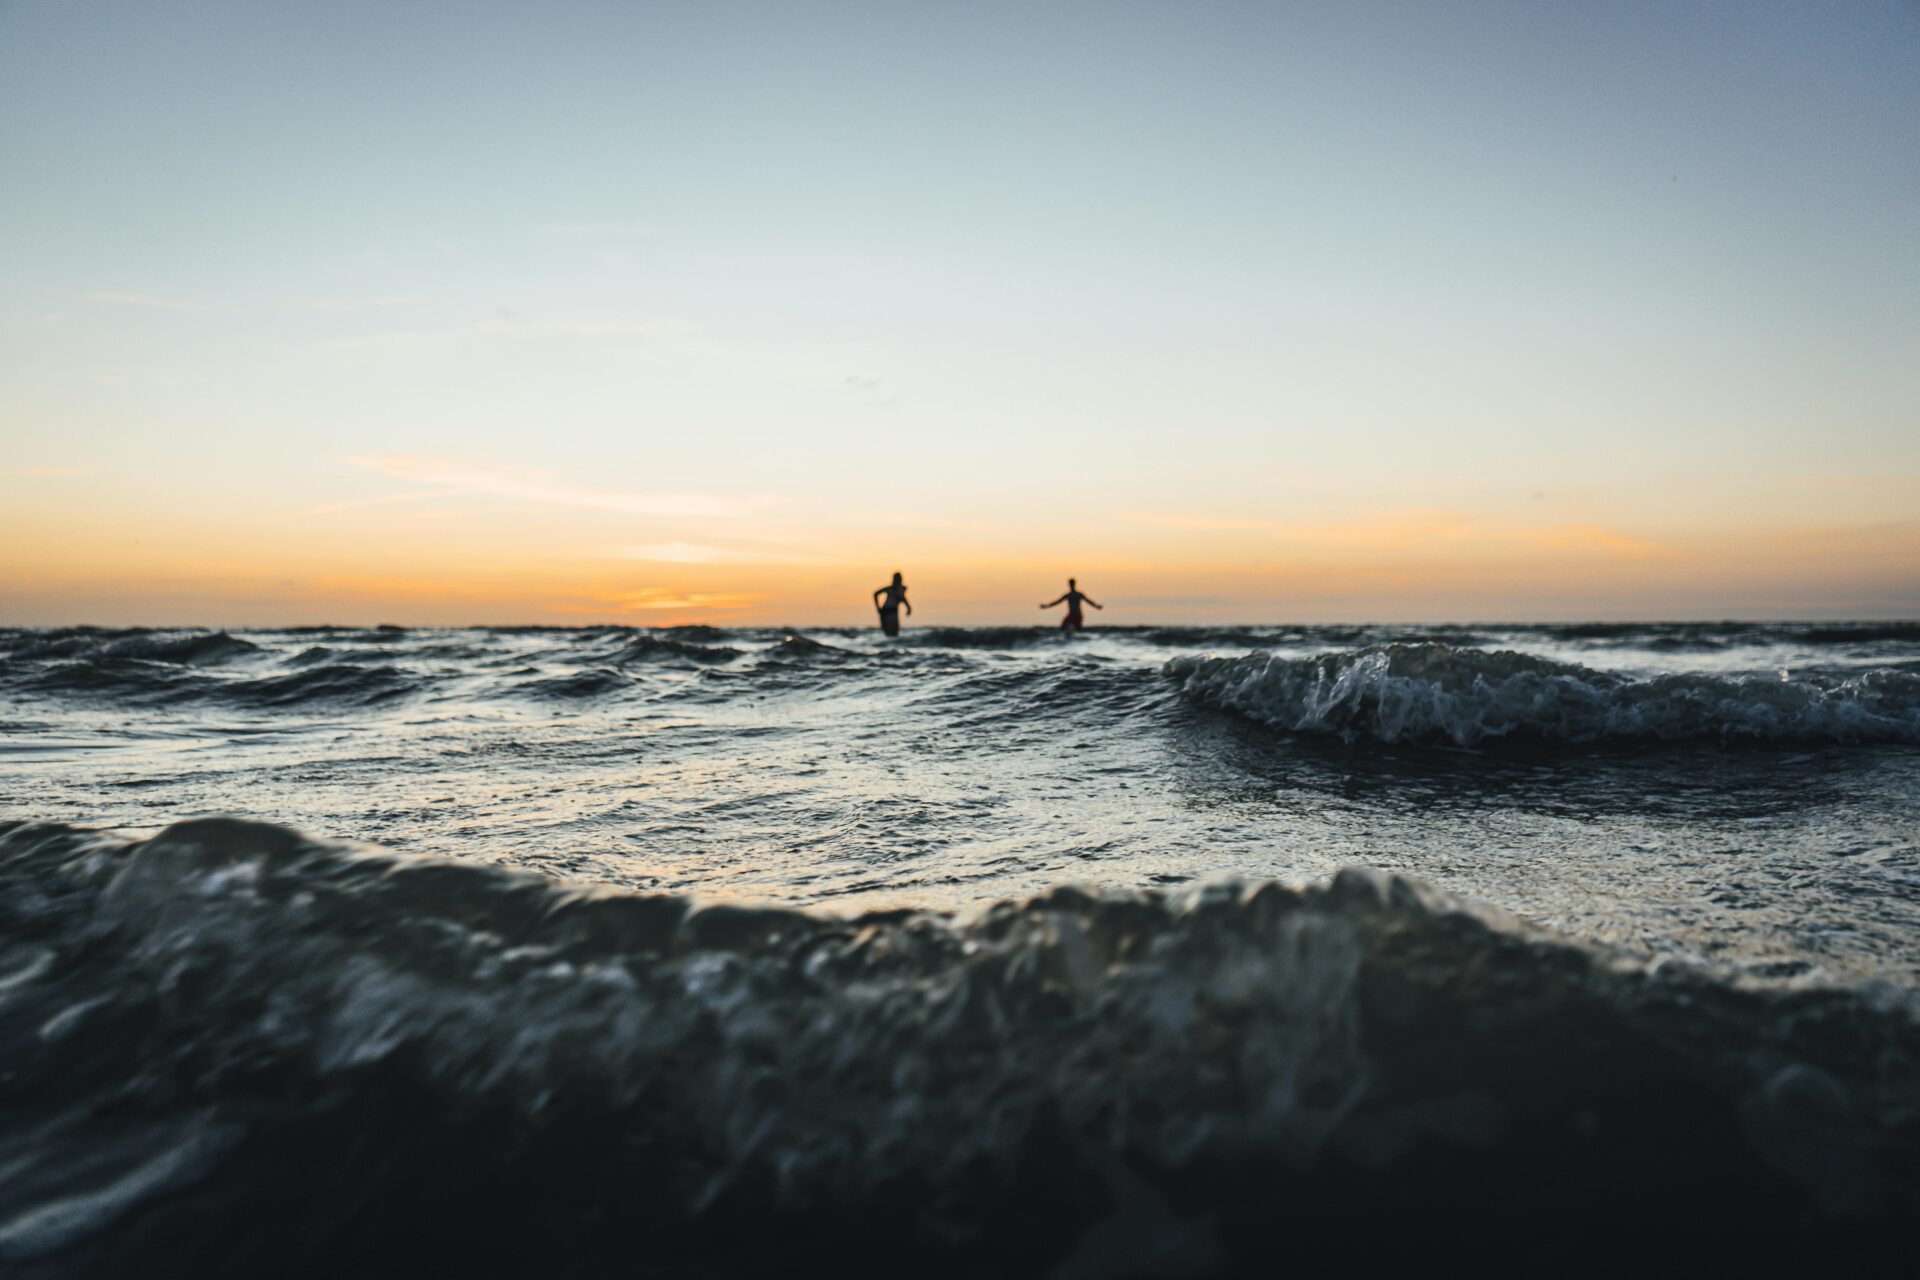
{"x": 1341, "y": 310}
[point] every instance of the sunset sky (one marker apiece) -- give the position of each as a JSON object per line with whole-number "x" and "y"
{"x": 661, "y": 313}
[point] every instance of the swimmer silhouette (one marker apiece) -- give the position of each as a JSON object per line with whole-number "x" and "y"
{"x": 896, "y": 595}
{"x": 1073, "y": 621}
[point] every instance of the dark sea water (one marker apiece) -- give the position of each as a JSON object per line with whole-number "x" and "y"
{"x": 679, "y": 950}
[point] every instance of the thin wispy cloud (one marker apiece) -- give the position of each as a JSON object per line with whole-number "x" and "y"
{"x": 457, "y": 475}
{"x": 378, "y": 500}
{"x": 1591, "y": 537}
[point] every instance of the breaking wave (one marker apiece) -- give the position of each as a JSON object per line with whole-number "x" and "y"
{"x": 1401, "y": 692}
{"x": 234, "y": 1050}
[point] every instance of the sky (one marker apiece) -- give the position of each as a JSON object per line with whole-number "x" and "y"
{"x": 662, "y": 313}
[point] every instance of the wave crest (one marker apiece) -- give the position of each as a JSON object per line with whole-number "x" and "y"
{"x": 659, "y": 648}
{"x": 343, "y": 682}
{"x": 1398, "y": 692}
{"x": 1012, "y": 1088}
{"x": 800, "y": 648}
{"x": 591, "y": 683}
{"x": 188, "y": 649}
{"x": 981, "y": 637}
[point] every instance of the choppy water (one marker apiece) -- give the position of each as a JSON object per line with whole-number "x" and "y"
{"x": 231, "y": 1048}
{"x": 1744, "y": 794}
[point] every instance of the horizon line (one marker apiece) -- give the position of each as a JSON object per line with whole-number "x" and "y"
{"x": 1775, "y": 620}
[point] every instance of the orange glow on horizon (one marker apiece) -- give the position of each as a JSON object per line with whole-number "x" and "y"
{"x": 1396, "y": 569}
{"x": 463, "y": 543}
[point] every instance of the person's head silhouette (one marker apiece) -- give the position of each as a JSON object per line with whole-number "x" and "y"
{"x": 1074, "y": 583}
{"x": 897, "y": 580}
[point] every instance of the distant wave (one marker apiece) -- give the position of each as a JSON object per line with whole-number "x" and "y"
{"x": 804, "y": 648}
{"x": 361, "y": 1055}
{"x": 653, "y": 647}
{"x": 318, "y": 677}
{"x": 194, "y": 648}
{"x": 1432, "y": 691}
{"x": 328, "y": 682}
{"x": 312, "y": 655}
{"x": 106, "y": 678}
{"x": 695, "y": 632}
{"x": 1387, "y": 682}
{"x": 1679, "y": 635}
{"x": 594, "y": 682}
{"x": 1616, "y": 630}
{"x": 373, "y": 635}
{"x": 981, "y": 637}
{"x": 1868, "y": 633}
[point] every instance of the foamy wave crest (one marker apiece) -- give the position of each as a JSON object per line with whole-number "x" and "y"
{"x": 368, "y": 1058}
{"x": 1401, "y": 692}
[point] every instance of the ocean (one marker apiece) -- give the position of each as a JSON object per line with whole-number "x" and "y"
{"x": 699, "y": 950}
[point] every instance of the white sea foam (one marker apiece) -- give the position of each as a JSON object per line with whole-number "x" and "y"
{"x": 1400, "y": 692}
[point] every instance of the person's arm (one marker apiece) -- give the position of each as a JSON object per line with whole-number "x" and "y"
{"x": 877, "y": 593}
{"x": 908, "y": 603}
{"x": 1095, "y": 603}
{"x": 1049, "y": 604}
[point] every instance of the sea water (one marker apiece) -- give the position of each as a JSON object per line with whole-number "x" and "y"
{"x": 369, "y": 940}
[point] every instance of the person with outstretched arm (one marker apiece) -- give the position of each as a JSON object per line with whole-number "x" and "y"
{"x": 895, "y": 594}
{"x": 1073, "y": 621}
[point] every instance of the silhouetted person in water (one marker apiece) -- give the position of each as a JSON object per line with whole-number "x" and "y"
{"x": 896, "y": 595}
{"x": 1073, "y": 621}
